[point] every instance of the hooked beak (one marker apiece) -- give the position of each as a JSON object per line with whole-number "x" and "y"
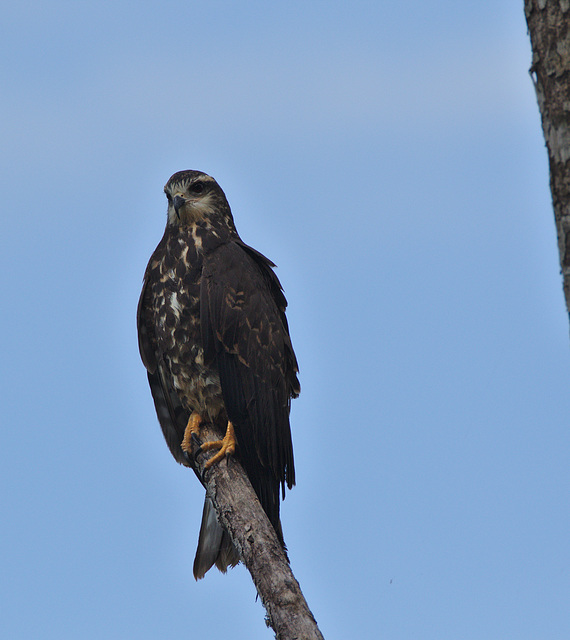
{"x": 178, "y": 202}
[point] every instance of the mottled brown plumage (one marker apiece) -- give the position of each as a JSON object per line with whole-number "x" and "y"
{"x": 214, "y": 339}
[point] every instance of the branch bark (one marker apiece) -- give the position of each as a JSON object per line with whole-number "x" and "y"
{"x": 549, "y": 27}
{"x": 240, "y": 513}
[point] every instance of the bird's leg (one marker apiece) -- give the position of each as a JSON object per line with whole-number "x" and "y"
{"x": 192, "y": 431}
{"x": 226, "y": 447}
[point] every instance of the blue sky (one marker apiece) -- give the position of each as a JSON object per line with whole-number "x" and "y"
{"x": 389, "y": 159}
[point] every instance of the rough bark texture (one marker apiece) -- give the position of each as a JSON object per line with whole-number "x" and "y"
{"x": 548, "y": 23}
{"x": 241, "y": 514}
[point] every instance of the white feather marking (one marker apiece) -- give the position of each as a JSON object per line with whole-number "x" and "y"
{"x": 197, "y": 238}
{"x": 175, "y": 304}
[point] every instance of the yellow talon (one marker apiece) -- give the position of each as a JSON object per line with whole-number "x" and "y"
{"x": 226, "y": 447}
{"x": 193, "y": 427}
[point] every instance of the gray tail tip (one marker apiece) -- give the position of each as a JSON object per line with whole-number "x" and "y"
{"x": 214, "y": 545}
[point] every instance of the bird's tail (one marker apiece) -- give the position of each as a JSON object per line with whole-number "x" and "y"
{"x": 214, "y": 544}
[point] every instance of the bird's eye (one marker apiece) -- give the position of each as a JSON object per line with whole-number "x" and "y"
{"x": 197, "y": 187}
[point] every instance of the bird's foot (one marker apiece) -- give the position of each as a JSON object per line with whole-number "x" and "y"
{"x": 226, "y": 447}
{"x": 191, "y": 432}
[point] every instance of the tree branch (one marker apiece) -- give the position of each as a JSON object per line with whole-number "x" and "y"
{"x": 240, "y": 513}
{"x": 548, "y": 24}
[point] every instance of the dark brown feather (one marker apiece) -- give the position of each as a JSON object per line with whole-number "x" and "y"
{"x": 243, "y": 326}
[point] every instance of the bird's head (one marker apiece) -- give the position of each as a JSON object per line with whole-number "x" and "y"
{"x": 194, "y": 197}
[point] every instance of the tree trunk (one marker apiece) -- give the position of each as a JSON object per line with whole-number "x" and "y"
{"x": 240, "y": 513}
{"x": 548, "y": 24}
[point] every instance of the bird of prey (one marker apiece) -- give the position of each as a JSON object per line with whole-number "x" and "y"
{"x": 214, "y": 339}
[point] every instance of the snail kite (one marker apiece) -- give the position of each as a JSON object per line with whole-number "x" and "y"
{"x": 214, "y": 339}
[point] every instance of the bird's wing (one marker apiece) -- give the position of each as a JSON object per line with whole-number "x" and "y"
{"x": 244, "y": 330}
{"x": 170, "y": 412}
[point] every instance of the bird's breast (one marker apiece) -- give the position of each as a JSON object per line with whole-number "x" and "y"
{"x": 176, "y": 297}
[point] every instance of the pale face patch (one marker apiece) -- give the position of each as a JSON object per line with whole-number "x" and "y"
{"x": 195, "y": 208}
